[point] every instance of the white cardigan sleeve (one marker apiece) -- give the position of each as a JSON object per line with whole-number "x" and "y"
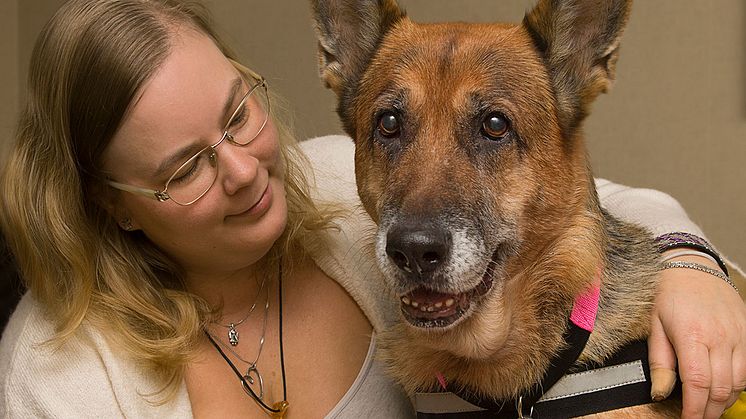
{"x": 83, "y": 378}
{"x": 657, "y": 211}
{"x": 349, "y": 254}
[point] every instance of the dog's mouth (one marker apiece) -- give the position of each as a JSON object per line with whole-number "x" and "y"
{"x": 426, "y": 308}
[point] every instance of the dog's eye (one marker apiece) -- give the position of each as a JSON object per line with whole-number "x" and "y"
{"x": 388, "y": 125}
{"x": 495, "y": 126}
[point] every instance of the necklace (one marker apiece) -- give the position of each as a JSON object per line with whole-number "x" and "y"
{"x": 232, "y": 332}
{"x": 278, "y": 409}
{"x": 252, "y": 375}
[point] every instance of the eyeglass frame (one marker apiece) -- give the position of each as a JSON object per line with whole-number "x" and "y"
{"x": 162, "y": 195}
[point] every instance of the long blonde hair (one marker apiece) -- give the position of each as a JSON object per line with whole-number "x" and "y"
{"x": 88, "y": 63}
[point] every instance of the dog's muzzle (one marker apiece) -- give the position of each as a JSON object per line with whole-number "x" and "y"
{"x": 424, "y": 257}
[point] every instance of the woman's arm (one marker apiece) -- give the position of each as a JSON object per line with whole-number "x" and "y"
{"x": 698, "y": 317}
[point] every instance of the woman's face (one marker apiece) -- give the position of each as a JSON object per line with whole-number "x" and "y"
{"x": 185, "y": 106}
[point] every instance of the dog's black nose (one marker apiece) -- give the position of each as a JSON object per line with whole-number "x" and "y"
{"x": 418, "y": 251}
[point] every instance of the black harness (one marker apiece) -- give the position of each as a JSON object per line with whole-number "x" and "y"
{"x": 566, "y": 390}
{"x": 622, "y": 381}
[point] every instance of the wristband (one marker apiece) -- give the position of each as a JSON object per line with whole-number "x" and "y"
{"x": 688, "y": 252}
{"x": 687, "y": 240}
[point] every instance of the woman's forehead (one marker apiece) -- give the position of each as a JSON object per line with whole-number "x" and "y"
{"x": 194, "y": 69}
{"x": 182, "y": 102}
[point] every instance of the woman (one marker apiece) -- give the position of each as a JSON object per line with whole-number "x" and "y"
{"x": 175, "y": 262}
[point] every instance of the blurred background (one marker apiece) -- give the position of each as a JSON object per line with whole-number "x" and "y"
{"x": 675, "y": 120}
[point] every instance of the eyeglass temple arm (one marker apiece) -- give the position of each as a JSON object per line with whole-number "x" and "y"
{"x": 162, "y": 196}
{"x": 150, "y": 193}
{"x": 251, "y": 72}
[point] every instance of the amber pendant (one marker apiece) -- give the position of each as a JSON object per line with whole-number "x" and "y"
{"x": 281, "y": 407}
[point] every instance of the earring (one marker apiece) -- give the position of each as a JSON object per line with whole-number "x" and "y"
{"x": 126, "y": 224}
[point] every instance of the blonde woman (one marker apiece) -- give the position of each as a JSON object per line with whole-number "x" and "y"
{"x": 176, "y": 263}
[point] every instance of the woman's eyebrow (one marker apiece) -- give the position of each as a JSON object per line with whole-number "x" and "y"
{"x": 189, "y": 150}
{"x": 235, "y": 87}
{"x": 178, "y": 157}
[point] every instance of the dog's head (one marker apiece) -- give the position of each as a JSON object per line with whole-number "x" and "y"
{"x": 468, "y": 148}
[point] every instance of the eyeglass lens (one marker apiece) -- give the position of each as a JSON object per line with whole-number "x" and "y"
{"x": 196, "y": 175}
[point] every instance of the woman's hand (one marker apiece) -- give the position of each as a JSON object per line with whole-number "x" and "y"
{"x": 701, "y": 320}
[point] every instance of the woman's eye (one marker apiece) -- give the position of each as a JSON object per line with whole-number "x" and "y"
{"x": 192, "y": 168}
{"x": 388, "y": 125}
{"x": 185, "y": 173}
{"x": 239, "y": 118}
{"x": 495, "y": 126}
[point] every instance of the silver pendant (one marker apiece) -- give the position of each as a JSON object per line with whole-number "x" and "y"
{"x": 251, "y": 380}
{"x": 232, "y": 335}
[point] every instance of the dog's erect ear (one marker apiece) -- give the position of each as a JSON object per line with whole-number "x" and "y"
{"x": 579, "y": 40}
{"x": 349, "y": 32}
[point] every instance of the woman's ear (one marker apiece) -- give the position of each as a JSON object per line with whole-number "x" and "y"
{"x": 110, "y": 200}
{"x": 124, "y": 220}
{"x": 126, "y": 224}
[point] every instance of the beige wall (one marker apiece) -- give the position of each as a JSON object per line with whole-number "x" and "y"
{"x": 20, "y": 23}
{"x": 9, "y": 86}
{"x": 675, "y": 121}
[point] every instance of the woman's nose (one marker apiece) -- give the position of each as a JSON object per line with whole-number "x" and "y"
{"x": 237, "y": 166}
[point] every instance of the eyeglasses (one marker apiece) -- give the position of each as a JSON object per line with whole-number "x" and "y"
{"x": 196, "y": 175}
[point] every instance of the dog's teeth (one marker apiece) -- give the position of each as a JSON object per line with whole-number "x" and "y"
{"x": 405, "y": 300}
{"x": 415, "y": 304}
{"x": 423, "y": 308}
{"x": 430, "y": 309}
{"x": 439, "y": 304}
{"x": 450, "y": 302}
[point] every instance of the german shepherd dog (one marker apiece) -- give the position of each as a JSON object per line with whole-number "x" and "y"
{"x": 470, "y": 158}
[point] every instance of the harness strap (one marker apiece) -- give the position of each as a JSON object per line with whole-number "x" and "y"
{"x": 622, "y": 381}
{"x": 579, "y": 327}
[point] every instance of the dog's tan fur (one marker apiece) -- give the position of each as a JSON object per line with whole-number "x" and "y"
{"x": 530, "y": 199}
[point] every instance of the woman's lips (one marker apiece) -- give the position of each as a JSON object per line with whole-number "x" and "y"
{"x": 260, "y": 207}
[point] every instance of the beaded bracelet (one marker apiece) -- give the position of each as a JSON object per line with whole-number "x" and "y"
{"x": 691, "y": 241}
{"x": 702, "y": 268}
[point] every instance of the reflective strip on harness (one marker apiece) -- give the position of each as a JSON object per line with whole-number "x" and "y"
{"x": 596, "y": 380}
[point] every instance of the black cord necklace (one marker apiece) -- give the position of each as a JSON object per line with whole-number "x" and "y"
{"x": 279, "y": 409}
